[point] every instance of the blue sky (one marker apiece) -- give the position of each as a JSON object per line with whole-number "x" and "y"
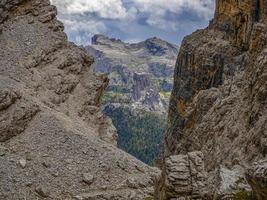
{"x": 133, "y": 20}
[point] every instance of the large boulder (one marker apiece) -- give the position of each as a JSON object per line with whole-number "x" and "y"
{"x": 184, "y": 176}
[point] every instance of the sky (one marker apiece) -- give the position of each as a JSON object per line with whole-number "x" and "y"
{"x": 133, "y": 20}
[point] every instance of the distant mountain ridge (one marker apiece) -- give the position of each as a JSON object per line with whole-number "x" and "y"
{"x": 155, "y": 46}
{"x": 140, "y": 84}
{"x": 143, "y": 71}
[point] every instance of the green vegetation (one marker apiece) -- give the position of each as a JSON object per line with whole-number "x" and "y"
{"x": 118, "y": 89}
{"x": 140, "y": 133}
{"x": 166, "y": 95}
{"x": 116, "y": 94}
{"x": 242, "y": 195}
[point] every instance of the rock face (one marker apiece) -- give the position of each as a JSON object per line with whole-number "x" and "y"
{"x": 54, "y": 141}
{"x": 141, "y": 80}
{"x": 219, "y": 101}
{"x": 257, "y": 177}
{"x": 185, "y": 177}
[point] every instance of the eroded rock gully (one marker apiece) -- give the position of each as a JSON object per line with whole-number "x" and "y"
{"x": 54, "y": 141}
{"x": 218, "y": 105}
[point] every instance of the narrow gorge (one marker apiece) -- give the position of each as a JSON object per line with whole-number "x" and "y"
{"x": 56, "y": 143}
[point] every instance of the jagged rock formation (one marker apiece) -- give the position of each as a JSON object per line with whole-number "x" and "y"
{"x": 141, "y": 73}
{"x": 141, "y": 80}
{"x": 54, "y": 141}
{"x": 219, "y": 101}
{"x": 185, "y": 177}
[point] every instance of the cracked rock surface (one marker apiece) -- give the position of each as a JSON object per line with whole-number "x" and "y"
{"x": 219, "y": 101}
{"x": 54, "y": 141}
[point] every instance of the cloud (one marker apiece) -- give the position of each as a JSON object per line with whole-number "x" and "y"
{"x": 110, "y": 9}
{"x": 131, "y": 19}
{"x": 81, "y": 30}
{"x": 157, "y": 10}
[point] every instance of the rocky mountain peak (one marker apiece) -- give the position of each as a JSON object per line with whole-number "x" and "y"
{"x": 102, "y": 39}
{"x": 150, "y": 47}
{"x": 158, "y": 47}
{"x": 157, "y": 41}
{"x": 124, "y": 62}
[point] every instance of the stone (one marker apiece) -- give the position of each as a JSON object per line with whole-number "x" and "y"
{"x": 46, "y": 164}
{"x": 28, "y": 184}
{"x": 183, "y": 176}
{"x": 30, "y": 20}
{"x": 42, "y": 191}
{"x": 88, "y": 178}
{"x": 22, "y": 162}
{"x": 55, "y": 173}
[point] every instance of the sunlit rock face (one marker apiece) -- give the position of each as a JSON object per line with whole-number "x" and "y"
{"x": 218, "y": 104}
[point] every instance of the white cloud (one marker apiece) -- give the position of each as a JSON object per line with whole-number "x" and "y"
{"x": 80, "y": 30}
{"x": 83, "y": 18}
{"x": 115, "y": 9}
{"x": 157, "y": 9}
{"x": 200, "y": 7}
{"x": 111, "y": 9}
{"x": 85, "y": 26}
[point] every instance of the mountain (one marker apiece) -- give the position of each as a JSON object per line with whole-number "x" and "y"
{"x": 55, "y": 143}
{"x": 142, "y": 72}
{"x": 137, "y": 97}
{"x": 215, "y": 145}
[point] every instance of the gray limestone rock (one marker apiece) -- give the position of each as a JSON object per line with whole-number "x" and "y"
{"x": 218, "y": 103}
{"x": 88, "y": 178}
{"x": 51, "y": 126}
{"x": 184, "y": 176}
{"x": 257, "y": 178}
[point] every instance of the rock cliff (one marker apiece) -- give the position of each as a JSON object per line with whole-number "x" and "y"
{"x": 219, "y": 101}
{"x": 54, "y": 141}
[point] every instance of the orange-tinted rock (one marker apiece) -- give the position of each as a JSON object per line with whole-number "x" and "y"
{"x": 221, "y": 79}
